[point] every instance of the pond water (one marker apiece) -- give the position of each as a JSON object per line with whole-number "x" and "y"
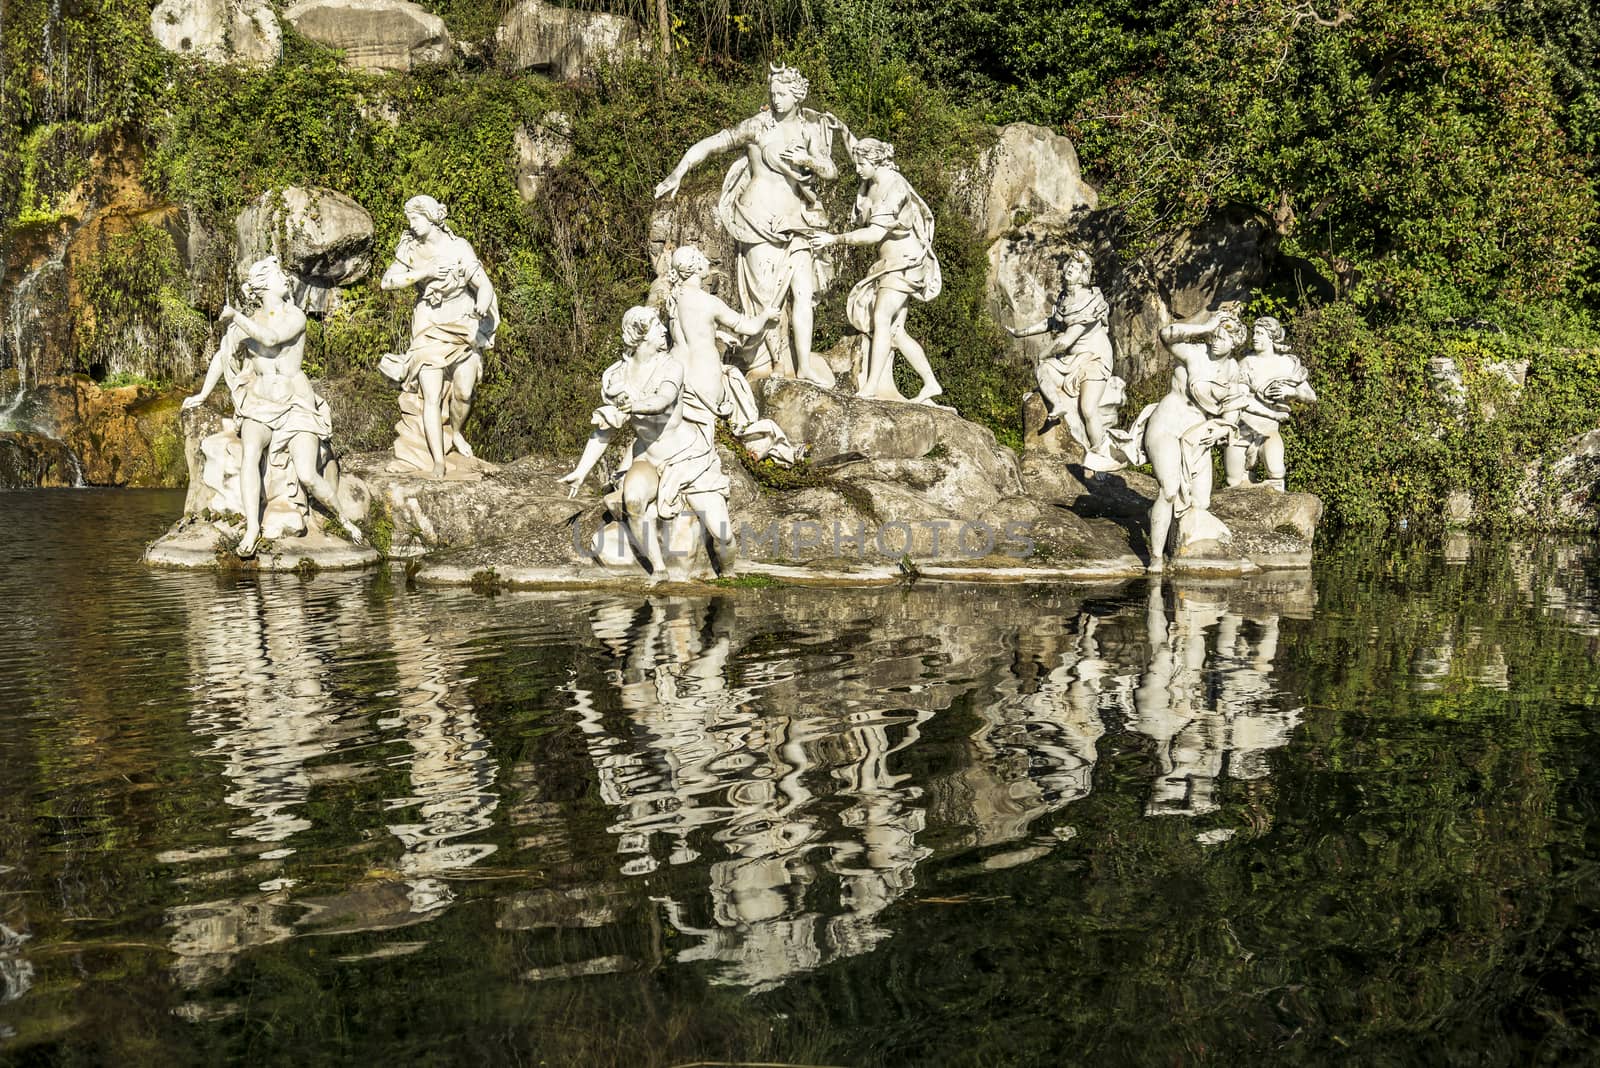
{"x": 1348, "y": 816}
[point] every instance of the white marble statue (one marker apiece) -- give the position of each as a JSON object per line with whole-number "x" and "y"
{"x": 713, "y": 388}
{"x": 891, "y": 216}
{"x": 1075, "y": 372}
{"x": 673, "y": 471}
{"x": 455, "y": 320}
{"x": 1276, "y": 377}
{"x": 770, "y": 205}
{"x": 275, "y": 455}
{"x": 1177, "y": 433}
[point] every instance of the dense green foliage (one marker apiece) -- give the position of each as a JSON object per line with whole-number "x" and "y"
{"x": 1432, "y": 160}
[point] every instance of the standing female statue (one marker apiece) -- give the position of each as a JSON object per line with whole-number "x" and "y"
{"x": 890, "y": 215}
{"x": 1074, "y": 374}
{"x": 454, "y": 321}
{"x": 674, "y": 465}
{"x": 1275, "y": 376}
{"x": 281, "y": 419}
{"x": 1200, "y": 411}
{"x": 770, "y": 205}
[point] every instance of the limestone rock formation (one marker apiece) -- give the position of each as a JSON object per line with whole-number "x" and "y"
{"x": 1029, "y": 170}
{"x": 29, "y": 461}
{"x": 1565, "y": 492}
{"x": 241, "y": 33}
{"x": 375, "y": 35}
{"x": 690, "y": 218}
{"x": 121, "y": 437}
{"x": 560, "y": 40}
{"x": 322, "y": 238}
{"x": 538, "y": 151}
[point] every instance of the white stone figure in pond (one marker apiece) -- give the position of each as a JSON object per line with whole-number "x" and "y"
{"x": 455, "y": 320}
{"x": 278, "y": 450}
{"x": 713, "y": 388}
{"x": 1177, "y": 433}
{"x": 1075, "y": 373}
{"x": 890, "y": 215}
{"x": 1276, "y": 377}
{"x": 770, "y": 205}
{"x": 674, "y": 478}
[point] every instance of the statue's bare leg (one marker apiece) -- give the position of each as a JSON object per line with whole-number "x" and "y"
{"x": 712, "y": 509}
{"x": 802, "y": 316}
{"x": 915, "y": 355}
{"x": 431, "y": 379}
{"x": 463, "y": 383}
{"x": 880, "y": 355}
{"x": 639, "y": 488}
{"x": 1095, "y": 424}
{"x": 1050, "y": 380}
{"x": 1166, "y": 456}
{"x": 1236, "y": 464}
{"x": 256, "y": 438}
{"x": 304, "y": 451}
{"x": 1272, "y": 454}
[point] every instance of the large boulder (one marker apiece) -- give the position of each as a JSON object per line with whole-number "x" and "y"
{"x": 1029, "y": 171}
{"x": 561, "y": 41}
{"x": 538, "y": 151}
{"x": 241, "y": 33}
{"x": 322, "y": 238}
{"x": 375, "y": 34}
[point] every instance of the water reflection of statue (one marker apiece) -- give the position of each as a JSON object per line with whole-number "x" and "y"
{"x": 280, "y": 448}
{"x": 714, "y": 767}
{"x": 892, "y": 217}
{"x": 455, "y": 320}
{"x": 769, "y": 203}
{"x": 1206, "y": 697}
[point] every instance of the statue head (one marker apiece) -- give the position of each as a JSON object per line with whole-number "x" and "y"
{"x": 640, "y": 324}
{"x": 687, "y": 261}
{"x": 423, "y": 212}
{"x": 869, "y": 154}
{"x": 1078, "y": 267}
{"x": 1266, "y": 333}
{"x": 788, "y": 83}
{"x": 1229, "y": 333}
{"x": 265, "y": 276}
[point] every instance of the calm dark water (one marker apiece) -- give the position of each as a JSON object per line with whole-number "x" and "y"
{"x": 1344, "y": 818}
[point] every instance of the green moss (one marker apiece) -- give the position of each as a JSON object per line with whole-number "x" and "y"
{"x": 379, "y": 525}
{"x": 486, "y": 582}
{"x": 747, "y": 582}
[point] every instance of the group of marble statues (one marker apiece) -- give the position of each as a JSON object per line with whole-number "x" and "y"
{"x": 771, "y": 205}
{"x": 679, "y": 373}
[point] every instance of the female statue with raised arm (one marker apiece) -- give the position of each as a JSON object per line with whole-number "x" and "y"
{"x": 1200, "y": 411}
{"x": 260, "y": 358}
{"x": 1075, "y": 373}
{"x": 770, "y": 206}
{"x": 455, "y": 319}
{"x": 1276, "y": 377}
{"x": 890, "y": 215}
{"x": 673, "y": 466}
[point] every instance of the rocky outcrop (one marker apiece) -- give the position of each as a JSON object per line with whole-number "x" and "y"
{"x": 69, "y": 431}
{"x": 376, "y": 35}
{"x": 241, "y": 33}
{"x": 1029, "y": 171}
{"x": 34, "y": 461}
{"x": 561, "y": 41}
{"x": 1565, "y": 492}
{"x": 538, "y": 150}
{"x": 690, "y": 218}
{"x": 322, "y": 238}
